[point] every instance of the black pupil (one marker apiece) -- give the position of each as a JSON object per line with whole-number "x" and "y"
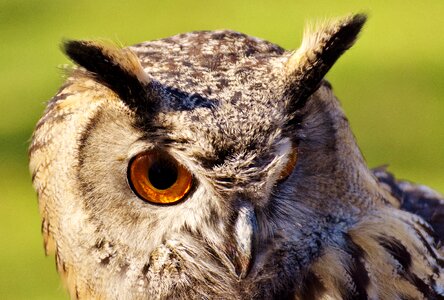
{"x": 162, "y": 174}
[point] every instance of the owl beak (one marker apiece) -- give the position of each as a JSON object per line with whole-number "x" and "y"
{"x": 245, "y": 232}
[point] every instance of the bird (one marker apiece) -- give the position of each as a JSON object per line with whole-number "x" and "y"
{"x": 217, "y": 165}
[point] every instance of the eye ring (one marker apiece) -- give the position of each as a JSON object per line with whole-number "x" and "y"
{"x": 157, "y": 178}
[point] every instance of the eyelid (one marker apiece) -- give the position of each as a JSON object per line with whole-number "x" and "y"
{"x": 289, "y": 166}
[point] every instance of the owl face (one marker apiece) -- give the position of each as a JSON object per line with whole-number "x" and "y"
{"x": 207, "y": 164}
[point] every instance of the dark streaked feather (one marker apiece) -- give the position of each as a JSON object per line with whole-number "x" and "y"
{"x": 118, "y": 69}
{"x": 415, "y": 198}
{"x": 319, "y": 51}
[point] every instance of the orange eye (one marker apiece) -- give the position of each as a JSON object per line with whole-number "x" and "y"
{"x": 291, "y": 163}
{"x": 158, "y": 178}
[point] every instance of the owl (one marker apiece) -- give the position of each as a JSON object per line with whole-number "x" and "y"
{"x": 216, "y": 165}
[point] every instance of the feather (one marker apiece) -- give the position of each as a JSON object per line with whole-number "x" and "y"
{"x": 415, "y": 198}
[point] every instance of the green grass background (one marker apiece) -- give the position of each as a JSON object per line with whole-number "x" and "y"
{"x": 391, "y": 86}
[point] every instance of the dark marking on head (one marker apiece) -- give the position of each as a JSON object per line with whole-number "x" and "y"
{"x": 35, "y": 146}
{"x": 223, "y": 83}
{"x": 44, "y": 225}
{"x": 145, "y": 268}
{"x": 212, "y": 217}
{"x": 105, "y": 261}
{"x": 55, "y": 117}
{"x": 183, "y": 101}
{"x": 219, "y": 157}
{"x": 124, "y": 268}
{"x": 77, "y": 292}
{"x": 58, "y": 260}
{"x": 92, "y": 123}
{"x": 236, "y": 97}
{"x": 61, "y": 96}
{"x": 99, "y": 245}
{"x": 211, "y": 62}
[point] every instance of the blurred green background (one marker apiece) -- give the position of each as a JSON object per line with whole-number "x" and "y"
{"x": 391, "y": 85}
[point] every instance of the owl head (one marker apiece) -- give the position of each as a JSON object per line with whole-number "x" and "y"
{"x": 208, "y": 164}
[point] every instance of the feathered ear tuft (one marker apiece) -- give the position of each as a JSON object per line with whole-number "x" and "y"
{"x": 118, "y": 69}
{"x": 320, "y": 49}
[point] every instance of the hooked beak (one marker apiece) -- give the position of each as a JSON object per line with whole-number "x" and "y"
{"x": 245, "y": 233}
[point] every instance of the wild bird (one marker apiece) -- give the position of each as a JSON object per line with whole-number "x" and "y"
{"x": 216, "y": 165}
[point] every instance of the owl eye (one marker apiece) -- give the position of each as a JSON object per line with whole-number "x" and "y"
{"x": 291, "y": 163}
{"x": 158, "y": 178}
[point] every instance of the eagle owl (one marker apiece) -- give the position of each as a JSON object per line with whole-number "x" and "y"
{"x": 215, "y": 165}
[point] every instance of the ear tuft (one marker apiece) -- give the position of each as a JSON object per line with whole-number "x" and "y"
{"x": 118, "y": 69}
{"x": 319, "y": 50}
